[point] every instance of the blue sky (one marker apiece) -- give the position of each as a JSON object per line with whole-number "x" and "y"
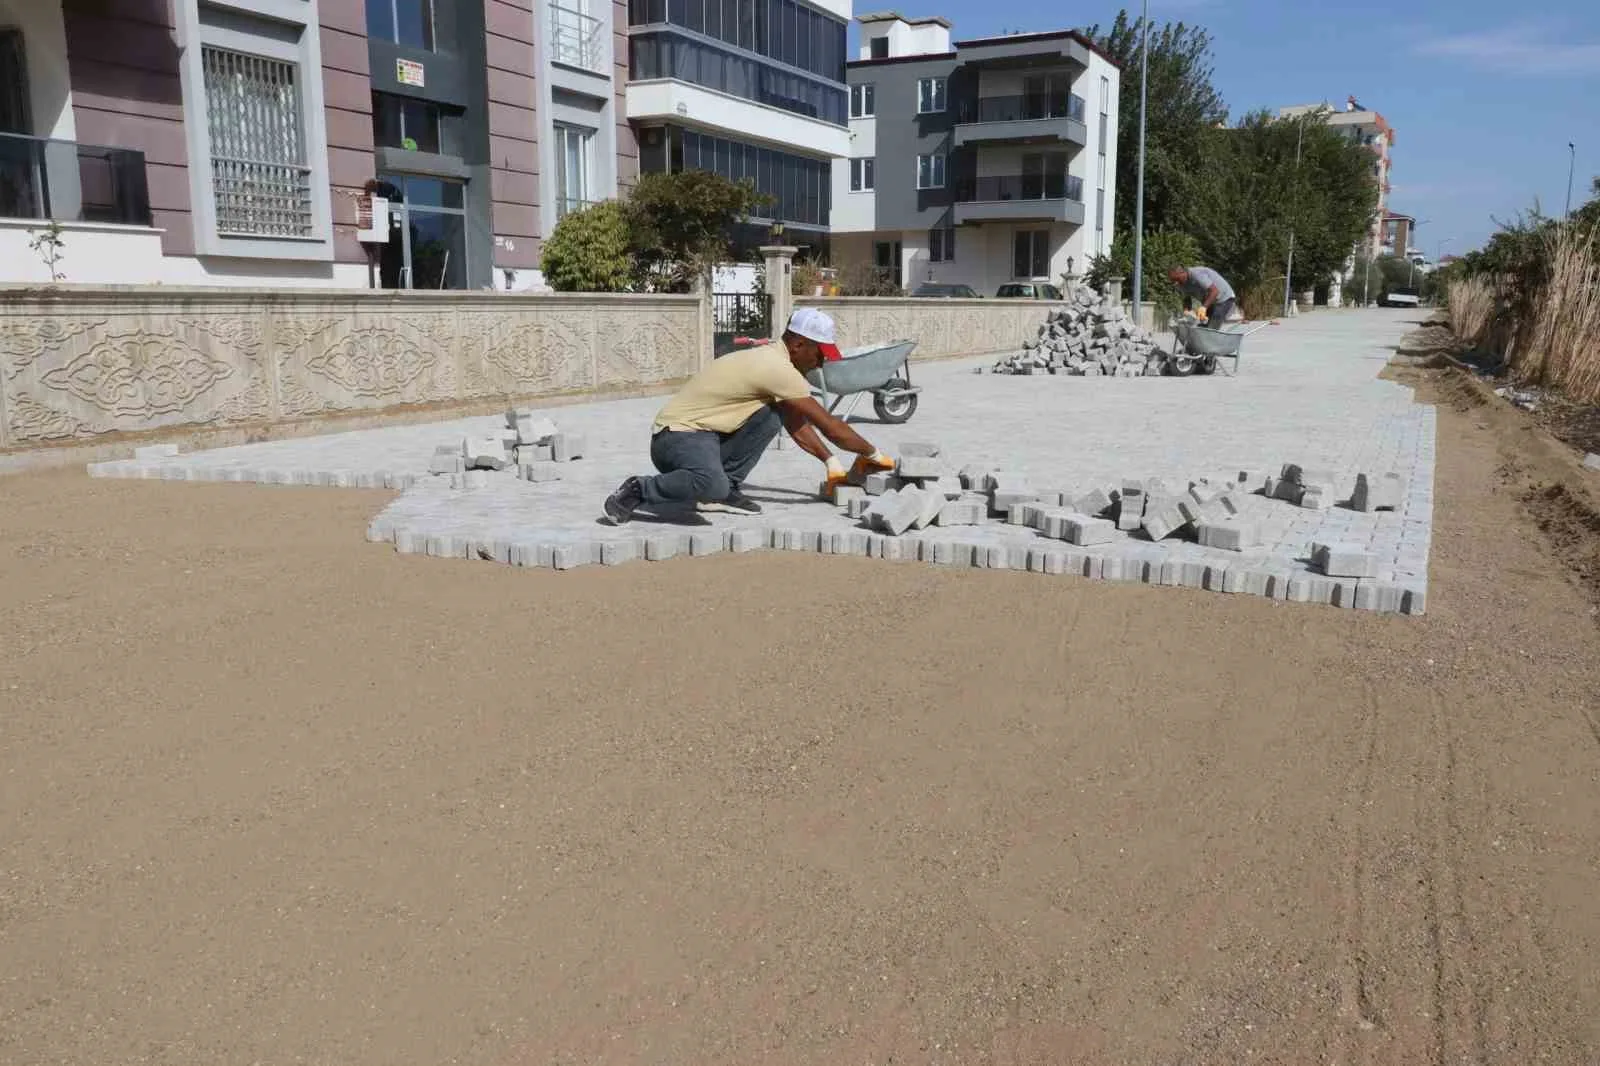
{"x": 1483, "y": 96}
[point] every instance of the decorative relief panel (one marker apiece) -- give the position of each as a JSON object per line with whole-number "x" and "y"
{"x": 644, "y": 346}
{"x": 364, "y": 359}
{"x": 527, "y": 351}
{"x": 70, "y": 374}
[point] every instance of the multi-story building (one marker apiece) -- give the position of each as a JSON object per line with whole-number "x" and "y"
{"x": 237, "y": 141}
{"x": 749, "y": 89}
{"x": 980, "y": 162}
{"x": 1367, "y": 128}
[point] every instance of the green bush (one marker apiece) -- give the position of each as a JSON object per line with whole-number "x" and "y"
{"x": 1162, "y": 249}
{"x": 589, "y": 251}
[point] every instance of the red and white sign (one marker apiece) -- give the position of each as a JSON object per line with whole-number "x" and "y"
{"x": 408, "y": 72}
{"x": 372, "y": 220}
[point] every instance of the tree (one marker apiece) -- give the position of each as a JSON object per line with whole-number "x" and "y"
{"x": 1183, "y": 106}
{"x": 1163, "y": 249}
{"x": 590, "y": 251}
{"x": 682, "y": 224}
{"x": 1249, "y": 193}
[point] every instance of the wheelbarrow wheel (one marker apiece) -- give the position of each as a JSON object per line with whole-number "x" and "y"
{"x": 892, "y": 405}
{"x": 1181, "y": 366}
{"x": 1208, "y": 365}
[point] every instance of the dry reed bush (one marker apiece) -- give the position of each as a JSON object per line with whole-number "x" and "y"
{"x": 1471, "y": 302}
{"x": 1563, "y": 339}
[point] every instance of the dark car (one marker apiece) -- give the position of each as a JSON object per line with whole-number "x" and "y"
{"x": 1028, "y": 290}
{"x": 949, "y": 292}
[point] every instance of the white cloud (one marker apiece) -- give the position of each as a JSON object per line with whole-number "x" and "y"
{"x": 1523, "y": 49}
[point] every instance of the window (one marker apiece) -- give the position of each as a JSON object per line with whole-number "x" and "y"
{"x": 930, "y": 95}
{"x": 573, "y": 146}
{"x": 787, "y": 31}
{"x": 879, "y": 48}
{"x": 930, "y": 171}
{"x": 886, "y": 258}
{"x": 260, "y": 176}
{"x": 863, "y": 101}
{"x": 660, "y": 54}
{"x": 861, "y": 178}
{"x": 1100, "y": 211}
{"x": 941, "y": 245}
{"x": 1105, "y": 95}
{"x": 407, "y": 22}
{"x": 402, "y": 122}
{"x": 1101, "y": 182}
{"x": 801, "y": 188}
{"x": 1030, "y": 254}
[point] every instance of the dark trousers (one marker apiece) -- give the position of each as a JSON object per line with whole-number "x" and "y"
{"x": 1217, "y": 314}
{"x": 704, "y": 467}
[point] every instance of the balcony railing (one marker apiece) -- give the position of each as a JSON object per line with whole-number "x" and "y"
{"x": 71, "y": 182}
{"x": 1021, "y": 108}
{"x": 577, "y": 39}
{"x": 1020, "y": 187}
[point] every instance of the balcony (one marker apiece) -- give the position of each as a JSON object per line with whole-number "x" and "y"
{"x": 577, "y": 39}
{"x": 1020, "y": 198}
{"x": 70, "y": 182}
{"x": 1035, "y": 118}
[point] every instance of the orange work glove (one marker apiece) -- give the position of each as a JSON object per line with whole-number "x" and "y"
{"x": 876, "y": 463}
{"x": 837, "y": 475}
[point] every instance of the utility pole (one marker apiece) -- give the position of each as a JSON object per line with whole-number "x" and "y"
{"x": 1572, "y": 162}
{"x": 1138, "y": 204}
{"x": 1288, "y": 277}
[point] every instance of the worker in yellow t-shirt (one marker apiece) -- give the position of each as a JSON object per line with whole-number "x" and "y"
{"x": 708, "y": 437}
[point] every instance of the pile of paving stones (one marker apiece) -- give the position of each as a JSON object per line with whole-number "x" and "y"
{"x": 1089, "y": 337}
{"x": 532, "y": 445}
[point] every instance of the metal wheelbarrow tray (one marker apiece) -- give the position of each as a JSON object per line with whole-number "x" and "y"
{"x": 883, "y": 370}
{"x": 1201, "y": 346}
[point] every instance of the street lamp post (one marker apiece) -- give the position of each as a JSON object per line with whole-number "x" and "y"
{"x": 1572, "y": 162}
{"x": 1138, "y": 205}
{"x": 1288, "y": 278}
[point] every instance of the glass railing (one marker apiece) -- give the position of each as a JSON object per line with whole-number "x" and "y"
{"x": 571, "y": 205}
{"x": 1024, "y": 108}
{"x": 1020, "y": 187}
{"x": 71, "y": 182}
{"x": 577, "y": 39}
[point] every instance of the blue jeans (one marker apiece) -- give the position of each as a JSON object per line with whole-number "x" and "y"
{"x": 703, "y": 467}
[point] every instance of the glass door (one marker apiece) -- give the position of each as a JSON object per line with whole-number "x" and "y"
{"x": 427, "y": 246}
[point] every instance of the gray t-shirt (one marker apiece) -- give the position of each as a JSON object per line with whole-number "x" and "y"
{"x": 1201, "y": 279}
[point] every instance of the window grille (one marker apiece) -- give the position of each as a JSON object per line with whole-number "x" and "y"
{"x": 259, "y": 175}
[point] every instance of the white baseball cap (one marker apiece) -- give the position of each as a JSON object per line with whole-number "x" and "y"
{"x": 817, "y": 326}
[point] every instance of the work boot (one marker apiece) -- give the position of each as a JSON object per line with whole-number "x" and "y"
{"x": 621, "y": 504}
{"x": 735, "y": 502}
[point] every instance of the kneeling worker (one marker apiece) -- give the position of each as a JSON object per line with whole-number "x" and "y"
{"x": 708, "y": 437}
{"x": 1207, "y": 286}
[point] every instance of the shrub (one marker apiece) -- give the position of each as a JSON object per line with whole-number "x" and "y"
{"x": 589, "y": 251}
{"x": 1162, "y": 249}
{"x": 1562, "y": 339}
{"x": 1470, "y": 302}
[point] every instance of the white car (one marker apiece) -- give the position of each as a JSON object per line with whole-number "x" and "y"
{"x": 1401, "y": 298}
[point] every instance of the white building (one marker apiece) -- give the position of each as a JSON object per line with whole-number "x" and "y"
{"x": 976, "y": 162}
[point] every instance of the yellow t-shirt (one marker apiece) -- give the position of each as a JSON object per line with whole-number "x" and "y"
{"x": 725, "y": 394}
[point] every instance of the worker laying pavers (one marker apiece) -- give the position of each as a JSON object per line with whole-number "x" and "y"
{"x": 709, "y": 436}
{"x": 1211, "y": 289}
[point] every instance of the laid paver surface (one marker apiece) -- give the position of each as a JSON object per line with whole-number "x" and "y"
{"x": 1308, "y": 393}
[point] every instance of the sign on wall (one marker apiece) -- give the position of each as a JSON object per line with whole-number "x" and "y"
{"x": 372, "y": 220}
{"x": 408, "y": 72}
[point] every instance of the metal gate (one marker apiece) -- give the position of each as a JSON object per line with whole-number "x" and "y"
{"x": 739, "y": 318}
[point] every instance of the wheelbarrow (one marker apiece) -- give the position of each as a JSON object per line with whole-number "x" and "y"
{"x": 883, "y": 369}
{"x": 1196, "y": 348}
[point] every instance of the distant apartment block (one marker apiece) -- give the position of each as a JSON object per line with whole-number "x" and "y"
{"x": 978, "y": 162}
{"x": 1371, "y": 129}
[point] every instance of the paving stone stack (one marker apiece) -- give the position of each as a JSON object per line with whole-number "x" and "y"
{"x": 1090, "y": 337}
{"x": 531, "y": 444}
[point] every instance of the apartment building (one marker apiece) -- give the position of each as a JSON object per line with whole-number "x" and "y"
{"x": 749, "y": 89}
{"x": 977, "y": 162}
{"x": 240, "y": 141}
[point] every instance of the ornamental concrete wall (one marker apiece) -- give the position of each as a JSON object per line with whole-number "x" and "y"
{"x": 87, "y": 372}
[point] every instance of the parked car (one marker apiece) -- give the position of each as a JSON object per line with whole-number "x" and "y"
{"x": 1028, "y": 290}
{"x": 1401, "y": 298}
{"x": 949, "y": 292}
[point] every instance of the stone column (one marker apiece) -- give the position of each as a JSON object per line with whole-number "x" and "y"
{"x": 1113, "y": 292}
{"x": 780, "y": 284}
{"x": 706, "y": 323}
